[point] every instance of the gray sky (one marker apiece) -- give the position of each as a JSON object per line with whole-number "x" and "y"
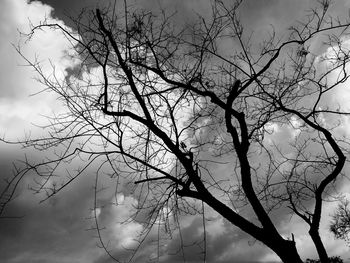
{"x": 56, "y": 231}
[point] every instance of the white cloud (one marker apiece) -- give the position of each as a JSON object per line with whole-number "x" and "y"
{"x": 124, "y": 229}
{"x": 17, "y": 109}
{"x": 216, "y": 228}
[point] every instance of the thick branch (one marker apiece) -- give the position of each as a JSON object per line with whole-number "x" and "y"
{"x": 332, "y": 176}
{"x": 241, "y": 150}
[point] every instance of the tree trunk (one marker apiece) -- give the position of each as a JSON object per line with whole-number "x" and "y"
{"x": 321, "y": 250}
{"x": 287, "y": 251}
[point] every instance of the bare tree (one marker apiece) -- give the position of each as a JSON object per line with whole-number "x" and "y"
{"x": 162, "y": 106}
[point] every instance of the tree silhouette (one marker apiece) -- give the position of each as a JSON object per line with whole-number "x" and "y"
{"x": 165, "y": 108}
{"x": 340, "y": 224}
{"x": 331, "y": 260}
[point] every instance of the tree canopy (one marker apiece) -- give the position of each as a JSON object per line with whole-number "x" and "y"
{"x": 187, "y": 118}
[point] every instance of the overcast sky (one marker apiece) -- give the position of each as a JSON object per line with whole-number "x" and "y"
{"x": 56, "y": 230}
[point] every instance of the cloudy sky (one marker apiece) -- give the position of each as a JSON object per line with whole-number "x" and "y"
{"x": 58, "y": 230}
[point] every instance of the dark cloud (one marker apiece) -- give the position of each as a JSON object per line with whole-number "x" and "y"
{"x": 64, "y": 9}
{"x": 255, "y": 14}
{"x": 54, "y": 230}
